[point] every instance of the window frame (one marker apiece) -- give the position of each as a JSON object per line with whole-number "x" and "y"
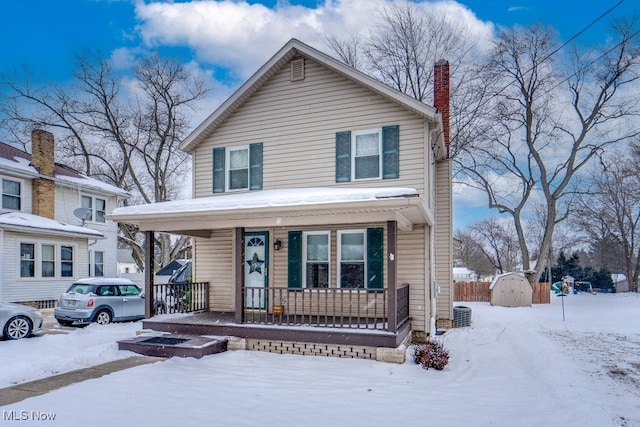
{"x": 97, "y": 215}
{"x": 32, "y": 260}
{"x": 14, "y": 196}
{"x": 305, "y": 261}
{"x": 38, "y": 259}
{"x": 228, "y": 170}
{"x": 339, "y": 260}
{"x": 64, "y": 262}
{"x": 43, "y": 260}
{"x": 93, "y": 263}
{"x": 354, "y": 156}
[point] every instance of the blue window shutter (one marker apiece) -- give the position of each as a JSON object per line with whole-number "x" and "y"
{"x": 390, "y": 152}
{"x": 218, "y": 170}
{"x": 375, "y": 258}
{"x": 343, "y": 156}
{"x": 255, "y": 166}
{"x": 295, "y": 259}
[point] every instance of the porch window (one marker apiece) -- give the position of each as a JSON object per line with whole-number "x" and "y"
{"x": 10, "y": 194}
{"x": 48, "y": 260}
{"x": 316, "y": 259}
{"x": 368, "y": 154}
{"x": 351, "y": 249}
{"x": 66, "y": 261}
{"x": 27, "y": 260}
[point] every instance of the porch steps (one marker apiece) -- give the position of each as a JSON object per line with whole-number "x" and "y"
{"x": 170, "y": 345}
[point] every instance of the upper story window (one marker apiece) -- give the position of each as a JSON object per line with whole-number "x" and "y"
{"x": 10, "y": 194}
{"x": 366, "y": 161}
{"x": 368, "y": 154}
{"x": 97, "y": 206}
{"x": 237, "y": 168}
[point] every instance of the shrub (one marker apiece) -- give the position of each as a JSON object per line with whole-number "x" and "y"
{"x": 431, "y": 355}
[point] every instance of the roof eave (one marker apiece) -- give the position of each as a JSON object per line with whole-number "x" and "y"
{"x": 288, "y": 51}
{"x": 51, "y": 232}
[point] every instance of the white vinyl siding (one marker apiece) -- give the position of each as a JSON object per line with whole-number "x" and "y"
{"x": 16, "y": 288}
{"x": 297, "y": 124}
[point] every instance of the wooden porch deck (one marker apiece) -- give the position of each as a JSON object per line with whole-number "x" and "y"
{"x": 308, "y": 330}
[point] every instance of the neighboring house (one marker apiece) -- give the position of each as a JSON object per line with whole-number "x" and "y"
{"x": 45, "y": 246}
{"x": 126, "y": 263}
{"x": 322, "y": 197}
{"x": 463, "y": 274}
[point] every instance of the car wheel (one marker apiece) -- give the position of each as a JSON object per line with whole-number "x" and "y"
{"x": 17, "y": 327}
{"x": 65, "y": 322}
{"x": 103, "y": 317}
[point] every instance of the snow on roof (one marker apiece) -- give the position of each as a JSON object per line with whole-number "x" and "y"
{"x": 91, "y": 183}
{"x": 18, "y": 161}
{"x": 268, "y": 198}
{"x": 29, "y": 223}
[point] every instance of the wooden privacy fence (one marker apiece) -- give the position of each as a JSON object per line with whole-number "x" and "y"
{"x": 479, "y": 291}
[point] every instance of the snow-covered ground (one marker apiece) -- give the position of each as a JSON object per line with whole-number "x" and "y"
{"x": 513, "y": 366}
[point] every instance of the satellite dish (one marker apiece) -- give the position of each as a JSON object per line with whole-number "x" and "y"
{"x": 82, "y": 214}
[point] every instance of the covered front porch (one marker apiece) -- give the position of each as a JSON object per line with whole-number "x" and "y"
{"x": 262, "y": 292}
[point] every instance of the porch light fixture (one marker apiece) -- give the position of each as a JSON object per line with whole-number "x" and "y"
{"x": 277, "y": 244}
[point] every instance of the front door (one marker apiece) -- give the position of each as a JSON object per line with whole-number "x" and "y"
{"x": 256, "y": 269}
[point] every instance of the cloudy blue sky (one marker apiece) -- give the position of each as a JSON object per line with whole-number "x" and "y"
{"x": 227, "y": 40}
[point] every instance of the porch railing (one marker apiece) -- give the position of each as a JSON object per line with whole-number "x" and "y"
{"x": 324, "y": 307}
{"x": 180, "y": 297}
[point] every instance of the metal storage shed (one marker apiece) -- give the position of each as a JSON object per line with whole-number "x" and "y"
{"x": 511, "y": 290}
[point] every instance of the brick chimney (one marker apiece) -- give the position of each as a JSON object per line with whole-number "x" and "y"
{"x": 43, "y": 187}
{"x": 441, "y": 96}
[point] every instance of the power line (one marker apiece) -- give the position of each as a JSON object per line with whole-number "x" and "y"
{"x": 576, "y": 35}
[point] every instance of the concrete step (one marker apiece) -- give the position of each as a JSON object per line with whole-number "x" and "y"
{"x": 170, "y": 345}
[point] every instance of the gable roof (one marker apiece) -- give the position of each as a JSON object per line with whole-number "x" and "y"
{"x": 290, "y": 50}
{"x": 19, "y": 162}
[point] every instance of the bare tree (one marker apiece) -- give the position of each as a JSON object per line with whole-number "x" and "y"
{"x": 122, "y": 132}
{"x": 610, "y": 213}
{"x": 489, "y": 246}
{"x": 548, "y": 124}
{"x": 405, "y": 43}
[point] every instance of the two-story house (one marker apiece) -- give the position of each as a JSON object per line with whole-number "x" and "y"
{"x": 53, "y": 224}
{"x": 321, "y": 214}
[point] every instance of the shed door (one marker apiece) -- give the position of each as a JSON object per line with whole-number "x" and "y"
{"x": 256, "y": 269}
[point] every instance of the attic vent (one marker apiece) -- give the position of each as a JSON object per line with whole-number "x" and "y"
{"x": 297, "y": 69}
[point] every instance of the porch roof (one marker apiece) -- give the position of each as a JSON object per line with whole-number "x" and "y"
{"x": 279, "y": 208}
{"x": 34, "y": 224}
